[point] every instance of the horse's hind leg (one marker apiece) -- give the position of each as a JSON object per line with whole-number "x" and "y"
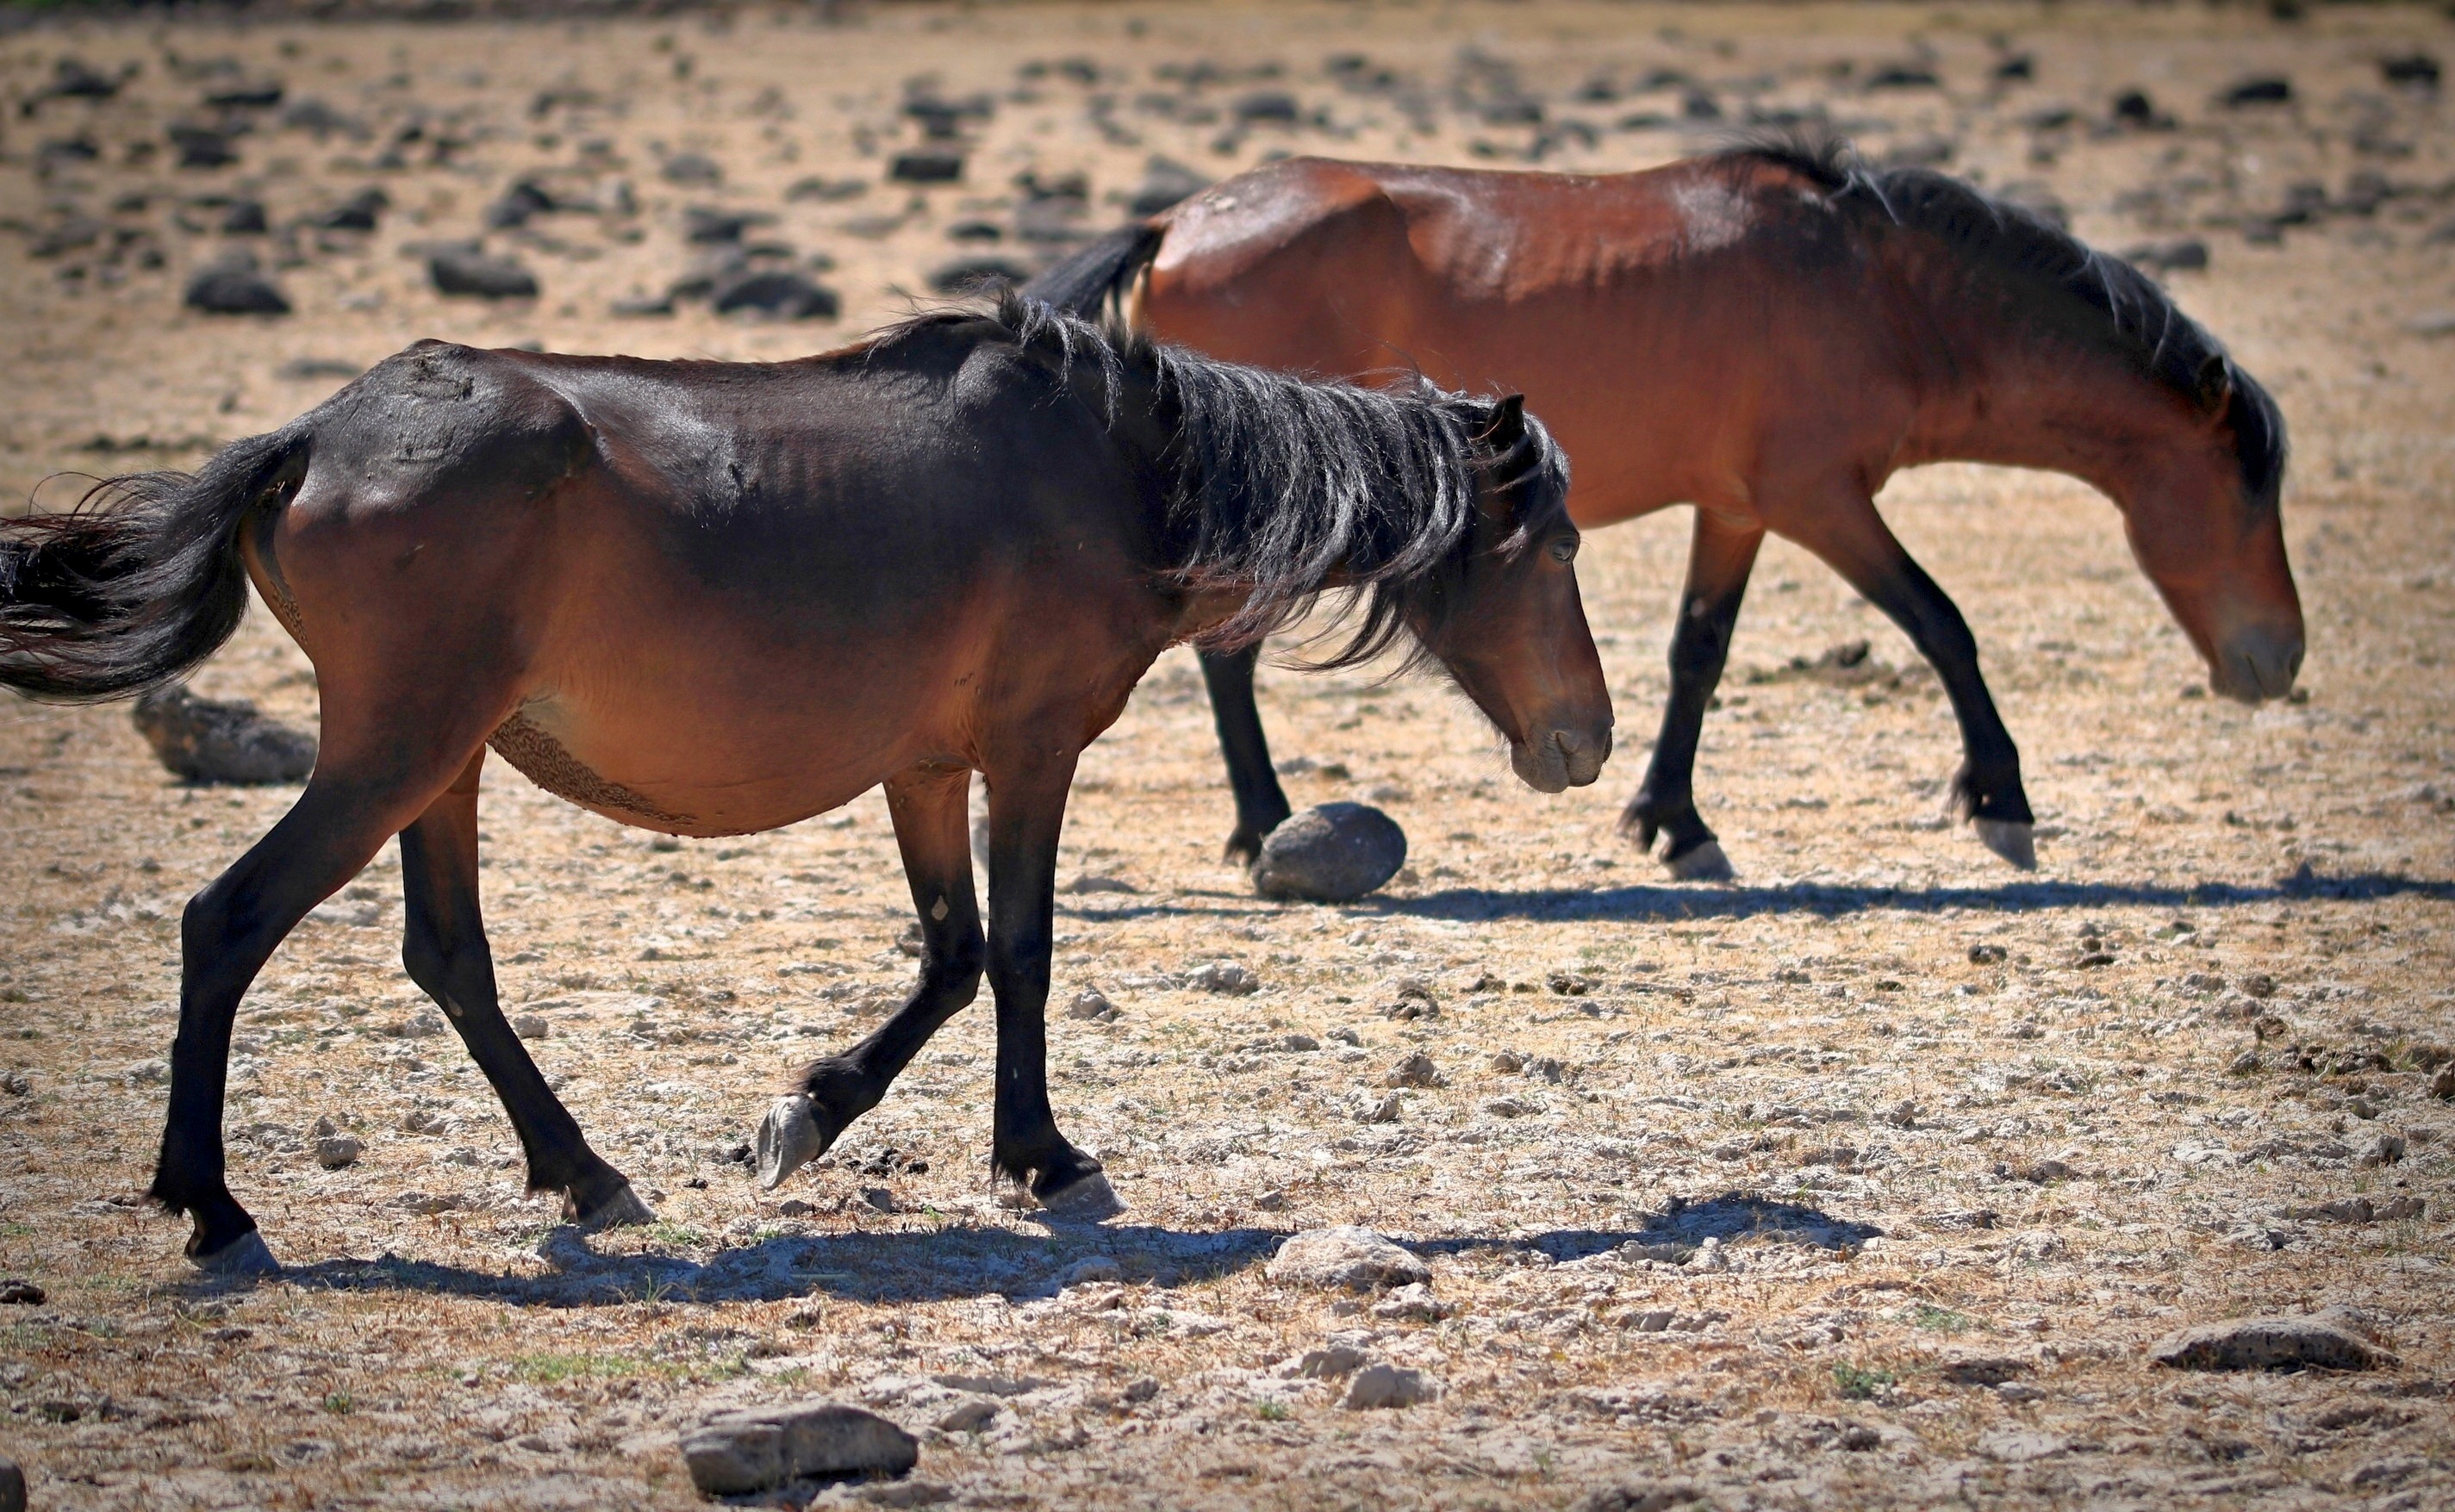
{"x": 1261, "y": 804}
{"x": 929, "y": 809}
{"x": 445, "y": 950}
{"x": 227, "y": 933}
{"x": 1719, "y": 559}
{"x": 1026, "y": 813}
{"x": 1854, "y": 540}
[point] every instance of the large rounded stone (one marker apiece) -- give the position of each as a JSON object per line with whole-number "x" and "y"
{"x": 205, "y": 740}
{"x": 1344, "y": 1257}
{"x": 736, "y": 1453}
{"x": 1331, "y": 854}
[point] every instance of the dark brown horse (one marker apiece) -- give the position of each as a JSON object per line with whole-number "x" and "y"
{"x": 714, "y": 599}
{"x": 1767, "y": 335}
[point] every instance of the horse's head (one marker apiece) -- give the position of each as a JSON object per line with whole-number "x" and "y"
{"x": 2203, "y": 519}
{"x": 1508, "y": 622}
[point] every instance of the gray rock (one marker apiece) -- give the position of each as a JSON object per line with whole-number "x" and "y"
{"x": 1227, "y": 977}
{"x": 977, "y": 275}
{"x": 469, "y": 272}
{"x": 1346, "y": 1257}
{"x": 235, "y": 289}
{"x": 1416, "y": 1070}
{"x": 692, "y": 167}
{"x": 1386, "y": 1385}
{"x": 206, "y": 741}
{"x": 2326, "y": 1340}
{"x": 531, "y": 1026}
{"x": 1093, "y": 1004}
{"x": 759, "y": 1449}
{"x": 1630, "y": 1497}
{"x": 1165, "y": 182}
{"x": 926, "y": 167}
{"x": 1331, "y": 854}
{"x": 780, "y": 293}
{"x": 17, "y": 1293}
{"x": 334, "y": 1150}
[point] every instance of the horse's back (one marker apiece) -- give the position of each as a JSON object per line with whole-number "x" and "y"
{"x": 1654, "y": 319}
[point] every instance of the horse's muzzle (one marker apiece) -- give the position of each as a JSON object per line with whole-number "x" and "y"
{"x": 2254, "y": 665}
{"x": 1561, "y": 760}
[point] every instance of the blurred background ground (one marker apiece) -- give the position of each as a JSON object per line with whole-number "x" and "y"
{"x": 1968, "y": 1139}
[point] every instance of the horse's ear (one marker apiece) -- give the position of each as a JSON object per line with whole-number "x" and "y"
{"x": 1508, "y": 422}
{"x": 2213, "y": 385}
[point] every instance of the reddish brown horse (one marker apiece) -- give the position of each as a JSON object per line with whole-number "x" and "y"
{"x": 1769, "y": 335}
{"x": 712, "y": 599}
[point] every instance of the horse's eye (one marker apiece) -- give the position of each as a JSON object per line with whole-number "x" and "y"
{"x": 1565, "y": 551}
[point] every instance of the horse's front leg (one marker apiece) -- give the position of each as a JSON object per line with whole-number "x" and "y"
{"x": 1854, "y": 539}
{"x": 1719, "y": 559}
{"x": 928, "y": 806}
{"x": 1026, "y": 813}
{"x": 1261, "y": 804}
{"x": 445, "y": 949}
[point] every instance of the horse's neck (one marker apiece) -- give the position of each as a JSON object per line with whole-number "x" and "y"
{"x": 2087, "y": 415}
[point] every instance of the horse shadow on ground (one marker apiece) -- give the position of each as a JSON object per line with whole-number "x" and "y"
{"x": 967, "y": 1260}
{"x": 1643, "y": 902}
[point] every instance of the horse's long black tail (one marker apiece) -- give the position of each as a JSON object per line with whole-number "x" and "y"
{"x": 142, "y": 580}
{"x": 1084, "y": 283}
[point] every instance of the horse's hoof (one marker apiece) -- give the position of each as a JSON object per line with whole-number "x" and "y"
{"x": 1088, "y": 1198}
{"x": 244, "y": 1256}
{"x": 1705, "y": 863}
{"x": 788, "y": 1138}
{"x": 2011, "y": 839}
{"x": 623, "y": 1210}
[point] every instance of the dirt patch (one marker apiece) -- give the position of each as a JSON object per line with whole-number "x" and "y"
{"x": 1868, "y": 1180}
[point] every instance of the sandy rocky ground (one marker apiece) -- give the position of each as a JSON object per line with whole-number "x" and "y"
{"x": 1864, "y": 1181}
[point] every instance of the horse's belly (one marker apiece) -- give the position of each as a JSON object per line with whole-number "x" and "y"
{"x": 679, "y": 775}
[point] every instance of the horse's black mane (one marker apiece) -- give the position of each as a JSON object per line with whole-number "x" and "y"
{"x": 1278, "y": 483}
{"x": 2135, "y": 314}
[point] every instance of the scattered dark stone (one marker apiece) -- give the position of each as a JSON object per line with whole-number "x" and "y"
{"x": 261, "y": 95}
{"x": 2049, "y": 118}
{"x": 245, "y": 217}
{"x": 202, "y": 147}
{"x": 692, "y": 167}
{"x": 361, "y": 212}
{"x": 208, "y": 741}
{"x": 1699, "y": 105}
{"x": 2019, "y": 67}
{"x": 736, "y": 1453}
{"x": 2187, "y": 254}
{"x": 12, "y": 1487}
{"x": 980, "y": 231}
{"x": 1904, "y": 76}
{"x": 1269, "y": 108}
{"x": 778, "y": 292}
{"x": 2365, "y": 192}
{"x": 2133, "y": 108}
{"x": 825, "y": 191}
{"x": 314, "y": 116}
{"x": 519, "y": 204}
{"x": 1632, "y": 1497}
{"x": 976, "y": 276}
{"x": 2265, "y": 90}
{"x": 927, "y": 166}
{"x": 644, "y": 306}
{"x": 73, "y": 231}
{"x": 71, "y": 79}
{"x": 705, "y": 226}
{"x": 2409, "y": 71}
{"x": 469, "y": 271}
{"x": 234, "y": 286}
{"x": 2326, "y": 1340}
{"x": 21, "y": 1293}
{"x": 1055, "y": 218}
{"x": 1166, "y": 182}
{"x": 1331, "y": 854}
{"x": 64, "y": 150}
